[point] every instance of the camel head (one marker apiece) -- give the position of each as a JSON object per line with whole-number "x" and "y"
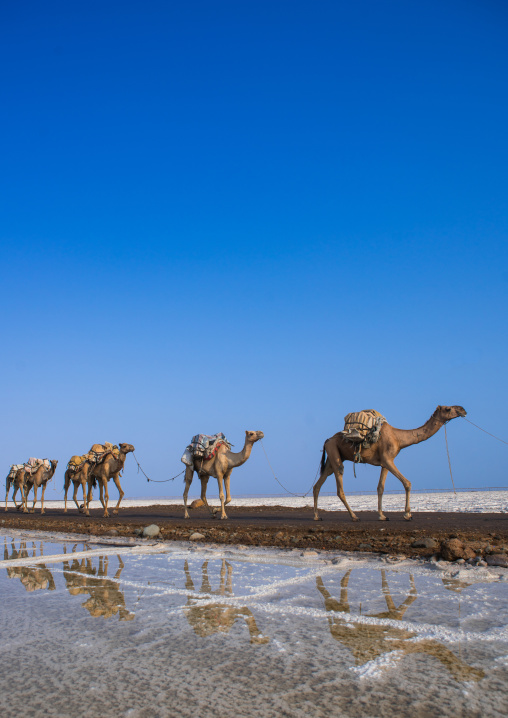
{"x": 54, "y": 462}
{"x": 254, "y": 436}
{"x": 445, "y": 413}
{"x": 125, "y": 448}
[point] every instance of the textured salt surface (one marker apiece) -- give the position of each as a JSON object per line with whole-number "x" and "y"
{"x": 164, "y": 630}
{"x": 466, "y": 501}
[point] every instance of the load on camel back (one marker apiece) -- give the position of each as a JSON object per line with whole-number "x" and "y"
{"x": 96, "y": 455}
{"x": 362, "y": 429}
{"x": 204, "y": 446}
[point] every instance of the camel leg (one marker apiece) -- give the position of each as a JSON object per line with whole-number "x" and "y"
{"x": 101, "y": 497}
{"x": 204, "y": 486}
{"x": 75, "y": 495}
{"x": 85, "y": 500}
{"x": 405, "y": 483}
{"x": 106, "y": 498}
{"x": 327, "y": 471}
{"x": 67, "y": 484}
{"x": 7, "y": 487}
{"x": 380, "y": 490}
{"x": 14, "y": 497}
{"x": 189, "y": 473}
{"x": 227, "y": 479}
{"x": 32, "y": 510}
{"x": 221, "y": 495}
{"x": 116, "y": 479}
{"x": 339, "y": 473}
{"x": 42, "y": 498}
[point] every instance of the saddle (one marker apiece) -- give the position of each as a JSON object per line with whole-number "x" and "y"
{"x": 14, "y": 470}
{"x": 358, "y": 425}
{"x": 204, "y": 446}
{"x": 33, "y": 464}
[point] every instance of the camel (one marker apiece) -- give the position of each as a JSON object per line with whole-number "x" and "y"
{"x": 40, "y": 477}
{"x": 18, "y": 482}
{"x": 368, "y": 642}
{"x": 33, "y": 578}
{"x": 109, "y": 468}
{"x": 382, "y": 453}
{"x": 210, "y": 618}
{"x": 220, "y": 467}
{"x": 78, "y": 478}
{"x": 106, "y": 600}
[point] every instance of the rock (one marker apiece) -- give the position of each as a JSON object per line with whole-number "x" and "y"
{"x": 460, "y": 560}
{"x": 365, "y": 547}
{"x": 151, "y": 531}
{"x": 197, "y": 504}
{"x": 112, "y": 532}
{"x": 138, "y": 532}
{"x": 497, "y": 559}
{"x": 424, "y": 543}
{"x": 309, "y": 554}
{"x": 279, "y": 535}
{"x": 452, "y": 549}
{"x": 196, "y": 536}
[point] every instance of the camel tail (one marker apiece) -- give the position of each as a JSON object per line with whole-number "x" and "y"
{"x": 323, "y": 460}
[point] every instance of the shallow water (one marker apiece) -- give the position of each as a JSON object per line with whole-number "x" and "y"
{"x": 163, "y": 630}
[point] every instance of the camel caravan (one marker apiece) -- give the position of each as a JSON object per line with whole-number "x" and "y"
{"x": 367, "y": 438}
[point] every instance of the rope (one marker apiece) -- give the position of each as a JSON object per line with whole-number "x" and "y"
{"x": 301, "y": 496}
{"x": 486, "y": 432}
{"x": 164, "y": 481}
{"x": 449, "y": 462}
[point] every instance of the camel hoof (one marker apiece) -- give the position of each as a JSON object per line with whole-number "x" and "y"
{"x": 408, "y": 518}
{"x": 317, "y": 518}
{"x": 384, "y": 518}
{"x": 356, "y": 518}
{"x": 115, "y": 511}
{"x": 222, "y": 518}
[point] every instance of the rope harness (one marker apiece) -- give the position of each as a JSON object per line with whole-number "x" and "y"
{"x": 301, "y": 496}
{"x": 164, "y": 481}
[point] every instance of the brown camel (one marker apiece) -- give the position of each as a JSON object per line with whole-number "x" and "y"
{"x": 40, "y": 477}
{"x": 106, "y": 599}
{"x": 367, "y": 642}
{"x": 109, "y": 468}
{"x": 17, "y": 480}
{"x": 78, "y": 478}
{"x": 381, "y": 453}
{"x": 213, "y": 618}
{"x": 33, "y": 578}
{"x": 219, "y": 466}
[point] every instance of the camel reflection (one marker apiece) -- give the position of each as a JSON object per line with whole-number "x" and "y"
{"x": 106, "y": 599}
{"x": 368, "y": 642}
{"x": 217, "y": 617}
{"x": 33, "y": 578}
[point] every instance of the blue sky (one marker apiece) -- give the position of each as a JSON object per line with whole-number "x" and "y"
{"x": 219, "y": 216}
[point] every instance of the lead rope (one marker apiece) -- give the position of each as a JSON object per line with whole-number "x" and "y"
{"x": 164, "y": 481}
{"x": 486, "y": 432}
{"x": 449, "y": 462}
{"x": 300, "y": 496}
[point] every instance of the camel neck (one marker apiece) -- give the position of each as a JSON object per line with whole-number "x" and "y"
{"x": 240, "y": 457}
{"x": 408, "y": 437}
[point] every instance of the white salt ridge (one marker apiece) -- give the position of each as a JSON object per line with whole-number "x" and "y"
{"x": 464, "y": 502}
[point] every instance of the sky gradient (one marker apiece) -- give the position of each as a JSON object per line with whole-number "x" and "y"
{"x": 220, "y": 216}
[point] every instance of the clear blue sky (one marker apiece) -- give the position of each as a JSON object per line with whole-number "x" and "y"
{"x": 219, "y": 216}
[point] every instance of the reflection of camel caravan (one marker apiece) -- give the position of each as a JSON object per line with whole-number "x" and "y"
{"x": 217, "y": 617}
{"x": 212, "y": 456}
{"x": 368, "y": 642}
{"x": 33, "y": 579}
{"x": 106, "y": 600}
{"x": 368, "y": 438}
{"x": 24, "y": 477}
{"x": 102, "y": 463}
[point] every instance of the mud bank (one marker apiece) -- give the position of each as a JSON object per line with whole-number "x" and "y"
{"x": 283, "y": 527}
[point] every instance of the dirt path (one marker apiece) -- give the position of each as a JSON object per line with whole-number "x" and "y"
{"x": 283, "y": 527}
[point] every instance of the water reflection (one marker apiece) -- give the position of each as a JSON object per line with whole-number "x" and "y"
{"x": 217, "y": 617}
{"x": 106, "y": 600}
{"x": 33, "y": 579}
{"x": 368, "y": 642}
